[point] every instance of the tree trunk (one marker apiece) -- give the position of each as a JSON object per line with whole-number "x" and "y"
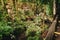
{"x": 53, "y": 25}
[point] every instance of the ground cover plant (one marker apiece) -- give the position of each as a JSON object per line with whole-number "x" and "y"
{"x": 25, "y": 19}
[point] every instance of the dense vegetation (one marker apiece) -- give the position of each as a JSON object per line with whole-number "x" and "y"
{"x": 25, "y": 19}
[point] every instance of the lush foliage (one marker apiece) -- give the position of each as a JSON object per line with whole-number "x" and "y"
{"x": 27, "y": 17}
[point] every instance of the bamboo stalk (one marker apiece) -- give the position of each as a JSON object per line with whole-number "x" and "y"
{"x": 2, "y": 3}
{"x": 16, "y": 6}
{"x": 54, "y": 7}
